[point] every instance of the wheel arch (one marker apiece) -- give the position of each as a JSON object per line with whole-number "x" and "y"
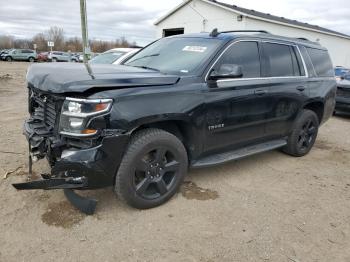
{"x": 317, "y": 107}
{"x": 182, "y": 129}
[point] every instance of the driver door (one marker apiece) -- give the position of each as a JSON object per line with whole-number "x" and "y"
{"x": 236, "y": 108}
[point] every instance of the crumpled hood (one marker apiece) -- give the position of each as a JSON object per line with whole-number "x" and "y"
{"x": 72, "y": 77}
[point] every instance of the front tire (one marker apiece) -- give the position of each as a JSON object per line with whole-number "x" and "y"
{"x": 303, "y": 135}
{"x": 152, "y": 169}
{"x": 9, "y": 59}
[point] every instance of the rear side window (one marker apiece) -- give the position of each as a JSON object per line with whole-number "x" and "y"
{"x": 321, "y": 62}
{"x": 282, "y": 60}
{"x": 245, "y": 54}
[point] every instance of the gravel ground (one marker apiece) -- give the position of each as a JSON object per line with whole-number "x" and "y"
{"x": 269, "y": 207}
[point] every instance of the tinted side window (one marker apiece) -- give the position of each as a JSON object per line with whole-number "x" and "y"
{"x": 245, "y": 54}
{"x": 307, "y": 60}
{"x": 321, "y": 61}
{"x": 281, "y": 61}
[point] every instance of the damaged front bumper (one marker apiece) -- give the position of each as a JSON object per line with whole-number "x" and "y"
{"x": 71, "y": 167}
{"x": 77, "y": 168}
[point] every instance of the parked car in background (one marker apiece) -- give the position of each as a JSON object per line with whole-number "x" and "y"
{"x": 58, "y": 56}
{"x": 90, "y": 56}
{"x": 3, "y": 53}
{"x": 114, "y": 56}
{"x": 340, "y": 71}
{"x": 343, "y": 95}
{"x": 75, "y": 57}
{"x": 20, "y": 55}
{"x": 43, "y": 56}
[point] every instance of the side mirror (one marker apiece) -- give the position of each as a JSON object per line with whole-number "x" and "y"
{"x": 227, "y": 71}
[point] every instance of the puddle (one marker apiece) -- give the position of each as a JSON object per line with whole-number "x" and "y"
{"x": 62, "y": 214}
{"x": 190, "y": 190}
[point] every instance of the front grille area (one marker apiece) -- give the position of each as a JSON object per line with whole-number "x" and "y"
{"x": 44, "y": 109}
{"x": 343, "y": 92}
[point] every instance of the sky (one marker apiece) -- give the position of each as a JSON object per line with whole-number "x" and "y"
{"x": 134, "y": 19}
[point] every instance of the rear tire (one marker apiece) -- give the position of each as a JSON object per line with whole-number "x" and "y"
{"x": 31, "y": 59}
{"x": 303, "y": 135}
{"x": 152, "y": 169}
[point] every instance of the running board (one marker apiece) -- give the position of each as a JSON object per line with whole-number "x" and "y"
{"x": 237, "y": 154}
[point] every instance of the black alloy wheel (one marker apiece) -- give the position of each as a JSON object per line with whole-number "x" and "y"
{"x": 306, "y": 135}
{"x": 303, "y": 135}
{"x": 155, "y": 173}
{"x": 152, "y": 169}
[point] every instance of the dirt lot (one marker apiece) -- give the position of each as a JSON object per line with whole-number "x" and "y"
{"x": 269, "y": 207}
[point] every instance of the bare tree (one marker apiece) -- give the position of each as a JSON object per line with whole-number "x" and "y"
{"x": 6, "y": 41}
{"x": 74, "y": 44}
{"x": 41, "y": 42}
{"x": 56, "y": 35}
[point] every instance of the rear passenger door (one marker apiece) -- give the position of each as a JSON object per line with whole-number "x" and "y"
{"x": 288, "y": 86}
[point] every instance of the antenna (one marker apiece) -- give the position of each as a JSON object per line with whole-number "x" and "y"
{"x": 214, "y": 33}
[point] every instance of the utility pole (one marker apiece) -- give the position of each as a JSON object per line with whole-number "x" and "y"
{"x": 84, "y": 30}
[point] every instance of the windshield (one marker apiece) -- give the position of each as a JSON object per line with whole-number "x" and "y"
{"x": 175, "y": 55}
{"x": 106, "y": 58}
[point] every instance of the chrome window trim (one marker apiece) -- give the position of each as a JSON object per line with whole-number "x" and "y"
{"x": 313, "y": 67}
{"x": 260, "y": 78}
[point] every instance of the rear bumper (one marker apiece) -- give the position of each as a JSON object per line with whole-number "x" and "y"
{"x": 96, "y": 166}
{"x": 342, "y": 104}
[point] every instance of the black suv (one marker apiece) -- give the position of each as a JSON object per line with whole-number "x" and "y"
{"x": 184, "y": 101}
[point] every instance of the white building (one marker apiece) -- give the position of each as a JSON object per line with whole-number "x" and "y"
{"x": 193, "y": 16}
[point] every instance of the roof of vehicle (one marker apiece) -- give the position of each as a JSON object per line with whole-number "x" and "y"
{"x": 251, "y": 34}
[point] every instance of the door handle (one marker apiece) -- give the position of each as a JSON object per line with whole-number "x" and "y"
{"x": 301, "y": 88}
{"x": 260, "y": 92}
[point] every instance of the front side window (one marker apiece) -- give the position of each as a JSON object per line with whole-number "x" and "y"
{"x": 177, "y": 55}
{"x": 281, "y": 60}
{"x": 244, "y": 54}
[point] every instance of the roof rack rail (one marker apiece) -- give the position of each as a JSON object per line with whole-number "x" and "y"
{"x": 248, "y": 31}
{"x": 215, "y": 32}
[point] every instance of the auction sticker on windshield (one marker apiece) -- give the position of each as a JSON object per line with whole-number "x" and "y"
{"x": 199, "y": 49}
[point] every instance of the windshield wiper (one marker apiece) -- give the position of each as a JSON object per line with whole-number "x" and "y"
{"x": 142, "y": 57}
{"x": 147, "y": 67}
